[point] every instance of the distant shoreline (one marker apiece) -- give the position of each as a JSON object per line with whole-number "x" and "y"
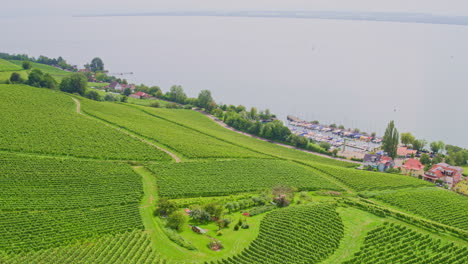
{"x": 420, "y": 18}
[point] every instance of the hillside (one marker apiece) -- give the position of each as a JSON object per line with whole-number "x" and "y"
{"x": 81, "y": 181}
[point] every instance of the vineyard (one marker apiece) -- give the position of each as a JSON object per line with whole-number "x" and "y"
{"x": 392, "y": 243}
{"x": 50, "y": 202}
{"x": 212, "y": 178}
{"x": 360, "y": 180}
{"x": 8, "y": 66}
{"x": 439, "y": 205}
{"x": 40, "y": 121}
{"x": 185, "y": 141}
{"x": 57, "y": 73}
{"x": 130, "y": 247}
{"x": 204, "y": 125}
{"x": 304, "y": 234}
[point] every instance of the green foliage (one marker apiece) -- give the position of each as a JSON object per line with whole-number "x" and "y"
{"x": 177, "y": 94}
{"x": 27, "y": 126}
{"x": 205, "y": 100}
{"x": 178, "y": 239}
{"x": 193, "y": 179}
{"x": 111, "y": 97}
{"x": 407, "y": 138}
{"x": 325, "y": 145}
{"x": 16, "y": 78}
{"x": 49, "y": 202}
{"x": 437, "y": 146}
{"x": 301, "y": 234}
{"x": 26, "y": 65}
{"x": 200, "y": 215}
{"x": 391, "y": 243}
{"x": 55, "y": 72}
{"x": 436, "y": 204}
{"x": 391, "y": 140}
{"x": 76, "y": 83}
{"x": 96, "y": 65}
{"x": 93, "y": 95}
{"x": 133, "y": 247}
{"x": 425, "y": 159}
{"x": 176, "y": 220}
{"x": 165, "y": 207}
{"x": 360, "y": 180}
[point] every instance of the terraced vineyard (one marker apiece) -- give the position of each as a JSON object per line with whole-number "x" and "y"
{"x": 365, "y": 180}
{"x": 57, "y": 73}
{"x": 212, "y": 178}
{"x": 50, "y": 202}
{"x": 42, "y": 121}
{"x": 304, "y": 234}
{"x": 185, "y": 141}
{"x": 398, "y": 244}
{"x": 432, "y": 203}
{"x": 131, "y": 247}
{"x": 203, "y": 124}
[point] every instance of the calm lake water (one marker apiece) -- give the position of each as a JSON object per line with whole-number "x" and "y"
{"x": 356, "y": 73}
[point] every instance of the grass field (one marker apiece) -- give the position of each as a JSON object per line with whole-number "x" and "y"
{"x": 42, "y": 121}
{"x": 234, "y": 176}
{"x": 58, "y": 74}
{"x": 183, "y": 140}
{"x": 8, "y": 66}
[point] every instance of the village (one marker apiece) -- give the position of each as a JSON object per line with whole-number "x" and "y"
{"x": 361, "y": 146}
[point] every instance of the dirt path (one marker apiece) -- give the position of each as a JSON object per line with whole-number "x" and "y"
{"x": 221, "y": 123}
{"x": 174, "y": 156}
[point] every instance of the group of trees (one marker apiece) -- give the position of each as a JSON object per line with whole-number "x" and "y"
{"x": 36, "y": 78}
{"x": 57, "y": 62}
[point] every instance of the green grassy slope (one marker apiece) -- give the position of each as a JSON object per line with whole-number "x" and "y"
{"x": 8, "y": 66}
{"x": 58, "y": 74}
{"x": 194, "y": 179}
{"x": 183, "y": 140}
{"x": 203, "y": 124}
{"x": 42, "y": 121}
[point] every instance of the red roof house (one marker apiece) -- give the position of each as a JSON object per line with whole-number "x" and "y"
{"x": 448, "y": 174}
{"x": 142, "y": 95}
{"x": 405, "y": 152}
{"x": 413, "y": 167}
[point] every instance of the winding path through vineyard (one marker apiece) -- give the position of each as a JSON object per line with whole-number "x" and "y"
{"x": 174, "y": 156}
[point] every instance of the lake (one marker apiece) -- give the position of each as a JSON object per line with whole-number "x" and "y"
{"x": 360, "y": 74}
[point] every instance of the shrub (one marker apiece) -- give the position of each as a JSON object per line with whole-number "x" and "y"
{"x": 155, "y": 104}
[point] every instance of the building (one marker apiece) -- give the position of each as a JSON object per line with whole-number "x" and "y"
{"x": 141, "y": 95}
{"x": 404, "y": 152}
{"x": 413, "y": 167}
{"x": 444, "y": 172}
{"x": 379, "y": 162}
{"x": 116, "y": 86}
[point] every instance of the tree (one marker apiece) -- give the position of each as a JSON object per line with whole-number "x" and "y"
{"x": 35, "y": 78}
{"x": 75, "y": 83}
{"x": 27, "y": 65}
{"x": 214, "y": 209}
{"x": 127, "y": 91}
{"x": 437, "y": 146}
{"x": 417, "y": 145}
{"x": 200, "y": 215}
{"x": 373, "y": 134}
{"x": 110, "y": 98}
{"x": 177, "y": 94}
{"x": 325, "y": 145}
{"x": 93, "y": 95}
{"x": 96, "y": 65}
{"x": 407, "y": 138}
{"x": 253, "y": 113}
{"x": 283, "y": 195}
{"x": 165, "y": 207}
{"x": 49, "y": 82}
{"x": 176, "y": 220}
{"x": 341, "y": 127}
{"x": 438, "y": 159}
{"x": 425, "y": 159}
{"x": 390, "y": 140}
{"x": 16, "y": 78}
{"x": 204, "y": 99}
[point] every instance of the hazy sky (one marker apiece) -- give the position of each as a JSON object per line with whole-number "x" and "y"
{"x": 67, "y": 7}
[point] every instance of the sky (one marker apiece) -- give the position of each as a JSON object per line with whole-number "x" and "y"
{"x": 68, "y": 7}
